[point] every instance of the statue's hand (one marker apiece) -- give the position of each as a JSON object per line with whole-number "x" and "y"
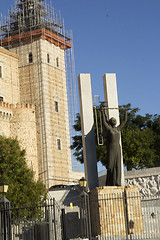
{"x": 100, "y": 109}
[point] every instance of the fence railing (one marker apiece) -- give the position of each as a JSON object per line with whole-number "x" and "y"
{"x": 37, "y": 221}
{"x": 121, "y": 216}
{"x": 113, "y": 216}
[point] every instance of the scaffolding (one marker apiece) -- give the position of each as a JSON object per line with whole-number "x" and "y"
{"x": 36, "y": 16}
{"x": 27, "y": 21}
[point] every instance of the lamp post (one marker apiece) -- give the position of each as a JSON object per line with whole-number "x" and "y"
{"x": 84, "y": 210}
{"x": 5, "y": 215}
{"x": 3, "y": 187}
{"x": 83, "y": 183}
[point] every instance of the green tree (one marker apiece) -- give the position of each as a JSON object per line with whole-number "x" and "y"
{"x": 77, "y": 144}
{"x": 140, "y": 140}
{"x": 14, "y": 170}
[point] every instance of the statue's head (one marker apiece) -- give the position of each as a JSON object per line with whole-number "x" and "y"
{"x": 112, "y": 122}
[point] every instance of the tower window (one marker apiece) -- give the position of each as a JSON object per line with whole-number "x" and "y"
{"x": 1, "y": 99}
{"x": 48, "y": 59}
{"x": 59, "y": 144}
{"x": 57, "y": 62}
{"x": 30, "y": 57}
{"x": 56, "y": 106}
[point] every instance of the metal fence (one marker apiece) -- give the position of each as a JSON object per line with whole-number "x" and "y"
{"x": 113, "y": 217}
{"x": 40, "y": 221}
{"x": 125, "y": 217}
{"x": 46, "y": 220}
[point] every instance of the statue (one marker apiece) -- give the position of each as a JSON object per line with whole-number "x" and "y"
{"x": 112, "y": 134}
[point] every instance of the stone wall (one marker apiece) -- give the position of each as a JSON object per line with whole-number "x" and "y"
{"x": 19, "y": 121}
{"x": 9, "y": 79}
{"x": 148, "y": 180}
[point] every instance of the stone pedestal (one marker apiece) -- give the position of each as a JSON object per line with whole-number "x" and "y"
{"x": 134, "y": 211}
{"x": 115, "y": 211}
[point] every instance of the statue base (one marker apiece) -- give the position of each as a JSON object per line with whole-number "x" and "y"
{"x": 116, "y": 211}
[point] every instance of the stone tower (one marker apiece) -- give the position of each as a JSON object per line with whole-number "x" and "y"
{"x": 35, "y": 33}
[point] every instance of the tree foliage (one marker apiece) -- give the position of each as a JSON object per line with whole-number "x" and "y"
{"x": 140, "y": 140}
{"x": 14, "y": 170}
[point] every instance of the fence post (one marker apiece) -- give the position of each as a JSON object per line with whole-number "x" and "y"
{"x": 5, "y": 219}
{"x": 89, "y": 218}
{"x": 85, "y": 215}
{"x": 63, "y": 222}
{"x": 54, "y": 215}
{"x": 125, "y": 213}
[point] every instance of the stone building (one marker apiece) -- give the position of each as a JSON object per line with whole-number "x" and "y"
{"x": 33, "y": 89}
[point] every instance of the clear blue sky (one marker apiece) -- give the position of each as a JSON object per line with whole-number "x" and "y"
{"x": 116, "y": 36}
{"x": 122, "y": 37}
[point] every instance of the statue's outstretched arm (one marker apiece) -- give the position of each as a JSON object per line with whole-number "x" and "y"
{"x": 105, "y": 122}
{"x": 124, "y": 121}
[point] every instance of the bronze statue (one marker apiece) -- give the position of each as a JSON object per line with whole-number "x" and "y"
{"x": 112, "y": 134}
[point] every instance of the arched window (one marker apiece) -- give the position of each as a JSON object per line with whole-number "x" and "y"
{"x": 30, "y": 57}
{"x": 1, "y": 99}
{"x": 48, "y": 59}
